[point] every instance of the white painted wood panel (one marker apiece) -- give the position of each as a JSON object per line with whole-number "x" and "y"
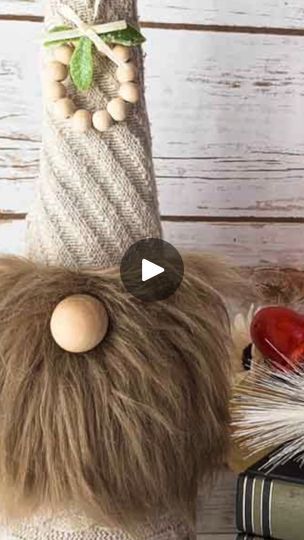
{"x": 227, "y": 130}
{"x": 21, "y": 7}
{"x": 269, "y": 185}
{"x": 15, "y": 197}
{"x": 12, "y": 235}
{"x": 269, "y": 13}
{"x": 237, "y": 96}
{"x": 247, "y": 244}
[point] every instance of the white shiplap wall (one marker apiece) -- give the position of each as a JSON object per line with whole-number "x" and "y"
{"x": 253, "y": 13}
{"x": 225, "y": 90}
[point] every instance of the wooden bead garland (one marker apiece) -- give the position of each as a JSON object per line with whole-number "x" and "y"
{"x": 63, "y": 54}
{"x": 55, "y": 91}
{"x": 118, "y": 109}
{"x": 129, "y": 92}
{"x": 102, "y": 120}
{"x": 82, "y": 120}
{"x": 64, "y": 108}
{"x": 56, "y": 71}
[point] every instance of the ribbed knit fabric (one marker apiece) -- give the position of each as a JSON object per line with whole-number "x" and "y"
{"x": 96, "y": 193}
{"x": 76, "y": 527}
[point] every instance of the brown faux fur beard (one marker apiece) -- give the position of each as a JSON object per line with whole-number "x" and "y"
{"x": 130, "y": 427}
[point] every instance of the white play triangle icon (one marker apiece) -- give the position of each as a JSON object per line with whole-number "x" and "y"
{"x": 149, "y": 270}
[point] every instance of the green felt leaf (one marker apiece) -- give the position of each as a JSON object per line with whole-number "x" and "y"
{"x": 130, "y": 37}
{"x": 82, "y": 64}
{"x": 58, "y": 42}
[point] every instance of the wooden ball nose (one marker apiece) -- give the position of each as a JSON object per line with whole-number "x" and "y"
{"x": 79, "y": 323}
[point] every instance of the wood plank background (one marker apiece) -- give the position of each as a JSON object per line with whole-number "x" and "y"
{"x": 225, "y": 91}
{"x": 268, "y": 14}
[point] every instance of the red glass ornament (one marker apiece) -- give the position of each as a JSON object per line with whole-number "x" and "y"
{"x": 278, "y": 333}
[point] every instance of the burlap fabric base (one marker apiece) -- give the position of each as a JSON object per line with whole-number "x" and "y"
{"x": 96, "y": 194}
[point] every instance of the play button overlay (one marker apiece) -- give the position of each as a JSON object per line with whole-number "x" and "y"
{"x": 152, "y": 270}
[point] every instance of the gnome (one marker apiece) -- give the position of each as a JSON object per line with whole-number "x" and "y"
{"x": 112, "y": 409}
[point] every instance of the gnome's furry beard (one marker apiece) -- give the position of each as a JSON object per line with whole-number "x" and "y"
{"x": 128, "y": 427}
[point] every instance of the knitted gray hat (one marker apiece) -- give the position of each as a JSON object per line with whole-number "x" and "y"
{"x": 96, "y": 193}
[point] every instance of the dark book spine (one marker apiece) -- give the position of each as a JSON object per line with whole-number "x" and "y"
{"x": 244, "y": 536}
{"x": 270, "y": 508}
{"x": 254, "y": 497}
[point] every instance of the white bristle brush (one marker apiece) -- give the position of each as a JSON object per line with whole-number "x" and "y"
{"x": 268, "y": 412}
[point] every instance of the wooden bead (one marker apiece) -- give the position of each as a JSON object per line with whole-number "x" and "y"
{"x": 55, "y": 90}
{"x": 63, "y": 54}
{"x": 126, "y": 73}
{"x": 56, "y": 71}
{"x": 64, "y": 108}
{"x": 79, "y": 323}
{"x": 122, "y": 53}
{"x": 102, "y": 121}
{"x": 118, "y": 109}
{"x": 129, "y": 92}
{"x": 82, "y": 121}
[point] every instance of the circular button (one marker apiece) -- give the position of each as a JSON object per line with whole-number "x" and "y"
{"x": 152, "y": 270}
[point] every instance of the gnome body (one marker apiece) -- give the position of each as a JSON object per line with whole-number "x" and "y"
{"x": 107, "y": 443}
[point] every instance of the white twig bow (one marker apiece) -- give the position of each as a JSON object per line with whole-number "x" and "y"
{"x": 90, "y": 31}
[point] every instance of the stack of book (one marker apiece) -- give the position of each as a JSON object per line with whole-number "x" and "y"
{"x": 271, "y": 504}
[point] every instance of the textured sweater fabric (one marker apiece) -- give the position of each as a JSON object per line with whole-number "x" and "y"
{"x": 76, "y": 527}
